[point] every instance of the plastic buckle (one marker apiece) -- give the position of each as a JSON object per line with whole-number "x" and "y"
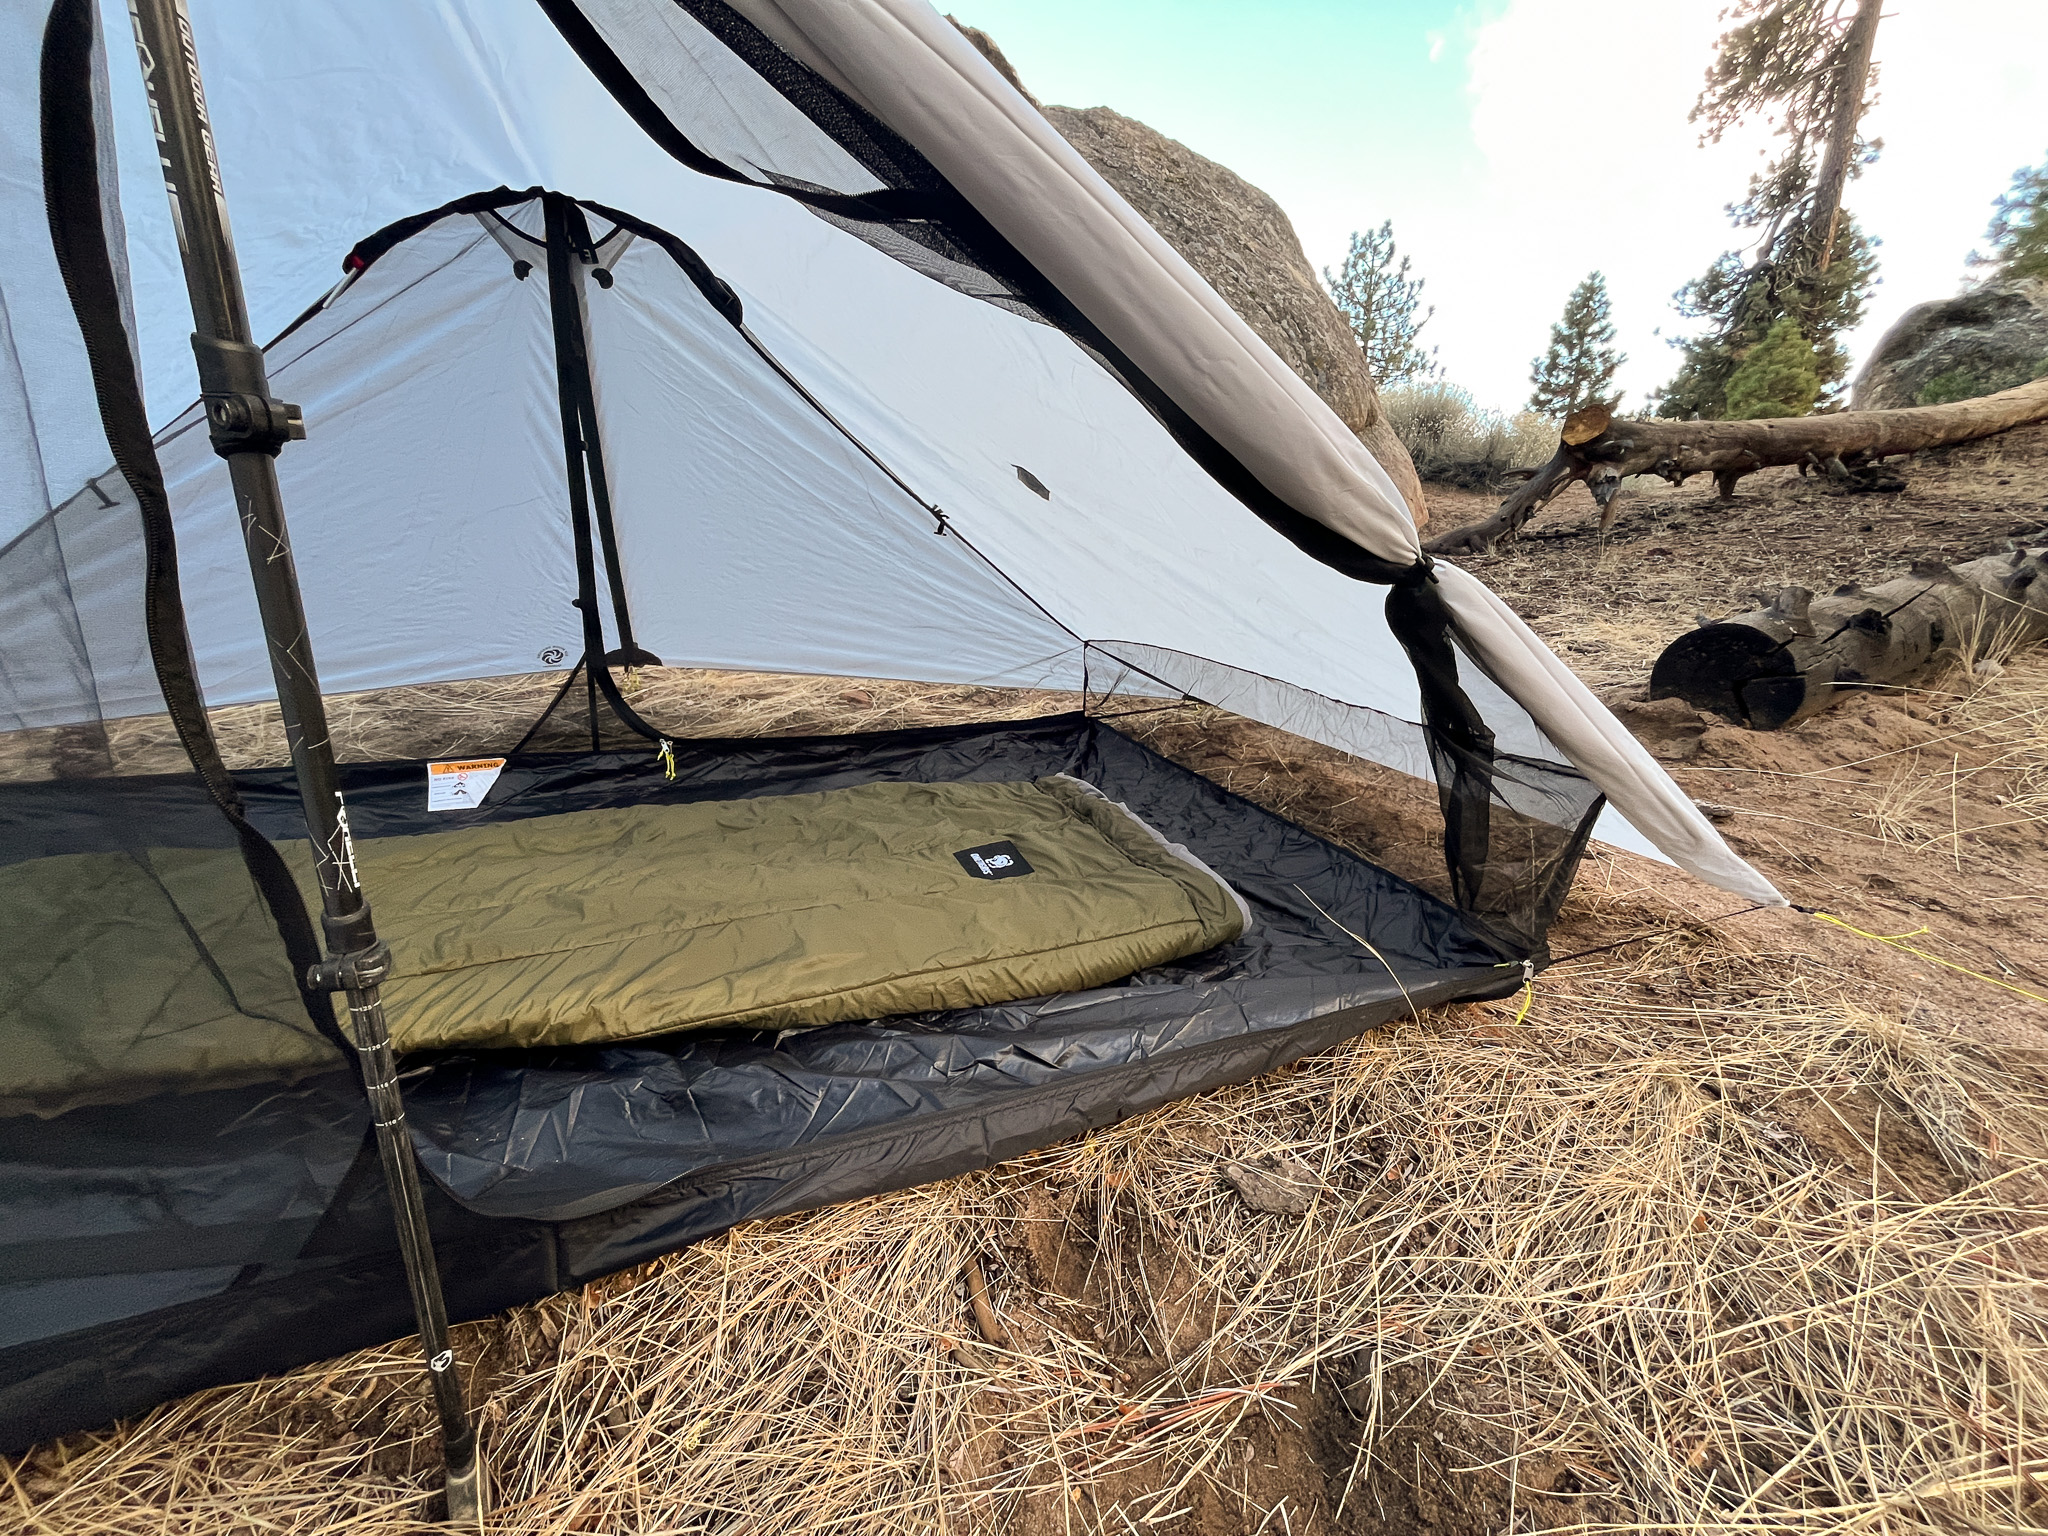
{"x": 241, "y": 416}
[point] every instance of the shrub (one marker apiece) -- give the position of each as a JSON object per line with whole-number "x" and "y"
{"x": 1968, "y": 384}
{"x": 1779, "y": 377}
{"x": 1455, "y": 441}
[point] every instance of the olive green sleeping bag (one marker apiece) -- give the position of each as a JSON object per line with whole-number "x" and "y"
{"x": 776, "y": 912}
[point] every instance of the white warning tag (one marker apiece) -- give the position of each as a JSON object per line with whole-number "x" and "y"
{"x": 461, "y": 786}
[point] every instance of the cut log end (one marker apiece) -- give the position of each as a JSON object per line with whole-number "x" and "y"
{"x": 1796, "y": 654}
{"x": 1739, "y": 672}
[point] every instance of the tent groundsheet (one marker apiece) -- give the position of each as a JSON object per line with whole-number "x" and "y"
{"x": 151, "y": 1248}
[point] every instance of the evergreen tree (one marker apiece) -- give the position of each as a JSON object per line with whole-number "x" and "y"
{"x": 2019, "y": 227}
{"x": 1579, "y": 367}
{"x": 1806, "y": 66}
{"x": 1779, "y": 377}
{"x": 1375, "y": 293}
{"x": 1740, "y": 304}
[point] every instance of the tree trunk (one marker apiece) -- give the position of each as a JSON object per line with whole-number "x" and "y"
{"x": 1845, "y": 112}
{"x": 1601, "y": 451}
{"x": 1798, "y": 654}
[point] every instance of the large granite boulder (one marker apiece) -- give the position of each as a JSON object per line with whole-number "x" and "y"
{"x": 1245, "y": 248}
{"x": 1993, "y": 337}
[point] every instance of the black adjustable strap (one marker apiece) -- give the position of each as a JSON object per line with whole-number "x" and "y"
{"x": 1420, "y": 621}
{"x": 72, "y": 196}
{"x": 583, "y": 464}
{"x": 585, "y": 250}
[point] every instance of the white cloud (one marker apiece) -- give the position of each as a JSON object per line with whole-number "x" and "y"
{"x": 1578, "y": 113}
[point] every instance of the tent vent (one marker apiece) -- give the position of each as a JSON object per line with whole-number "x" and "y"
{"x": 1032, "y": 481}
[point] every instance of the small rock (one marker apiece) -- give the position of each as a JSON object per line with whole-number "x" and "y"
{"x": 1988, "y": 668}
{"x": 1282, "y": 1185}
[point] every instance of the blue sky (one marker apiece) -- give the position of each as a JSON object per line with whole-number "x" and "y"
{"x": 1512, "y": 162}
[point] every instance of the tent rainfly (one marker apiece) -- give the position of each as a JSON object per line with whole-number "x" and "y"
{"x": 808, "y": 346}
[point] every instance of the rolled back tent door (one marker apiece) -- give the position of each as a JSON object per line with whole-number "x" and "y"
{"x": 847, "y": 418}
{"x": 881, "y": 117}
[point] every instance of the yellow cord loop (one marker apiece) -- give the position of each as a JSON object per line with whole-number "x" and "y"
{"x": 1528, "y": 985}
{"x": 1896, "y": 941}
{"x": 667, "y": 753}
{"x": 1528, "y": 997}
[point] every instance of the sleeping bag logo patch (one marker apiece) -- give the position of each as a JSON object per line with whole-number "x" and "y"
{"x": 993, "y": 861}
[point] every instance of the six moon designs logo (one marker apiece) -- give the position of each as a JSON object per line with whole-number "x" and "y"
{"x": 993, "y": 861}
{"x": 553, "y": 656}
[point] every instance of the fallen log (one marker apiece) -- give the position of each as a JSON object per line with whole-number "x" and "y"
{"x": 1797, "y": 653}
{"x": 1598, "y": 449}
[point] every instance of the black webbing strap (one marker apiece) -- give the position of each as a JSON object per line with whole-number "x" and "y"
{"x": 628, "y": 654}
{"x": 72, "y": 196}
{"x": 580, "y": 455}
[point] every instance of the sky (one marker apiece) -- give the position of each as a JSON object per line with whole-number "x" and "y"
{"x": 1519, "y": 144}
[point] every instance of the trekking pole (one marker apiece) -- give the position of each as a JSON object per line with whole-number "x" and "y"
{"x": 248, "y": 427}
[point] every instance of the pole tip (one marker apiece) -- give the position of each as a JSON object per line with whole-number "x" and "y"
{"x": 466, "y": 1495}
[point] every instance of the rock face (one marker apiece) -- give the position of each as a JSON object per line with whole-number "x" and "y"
{"x": 1245, "y": 248}
{"x": 1991, "y": 338}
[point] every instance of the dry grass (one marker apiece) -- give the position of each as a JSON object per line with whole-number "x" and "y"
{"x": 1992, "y": 701}
{"x": 466, "y": 719}
{"x": 1631, "y": 1282}
{"x": 1716, "y": 1240}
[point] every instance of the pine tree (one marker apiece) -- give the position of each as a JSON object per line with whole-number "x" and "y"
{"x": 1740, "y": 304}
{"x": 1806, "y": 66}
{"x": 1375, "y": 293}
{"x": 1779, "y": 377}
{"x": 2019, "y": 227}
{"x": 1579, "y": 367}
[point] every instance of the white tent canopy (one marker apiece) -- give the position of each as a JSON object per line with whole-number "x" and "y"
{"x": 1073, "y": 530}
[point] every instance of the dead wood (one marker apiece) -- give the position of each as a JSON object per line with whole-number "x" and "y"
{"x": 984, "y": 1310}
{"x": 1797, "y": 654}
{"x": 1596, "y": 448}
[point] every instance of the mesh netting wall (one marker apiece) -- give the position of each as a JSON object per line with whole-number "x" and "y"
{"x": 1517, "y": 816}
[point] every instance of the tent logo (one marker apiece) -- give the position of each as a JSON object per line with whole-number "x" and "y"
{"x": 552, "y": 656}
{"x": 993, "y": 861}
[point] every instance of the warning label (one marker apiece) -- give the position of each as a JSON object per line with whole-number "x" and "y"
{"x": 461, "y": 786}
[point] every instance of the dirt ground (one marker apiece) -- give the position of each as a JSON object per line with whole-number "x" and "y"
{"x": 1731, "y": 1224}
{"x": 1899, "y": 809}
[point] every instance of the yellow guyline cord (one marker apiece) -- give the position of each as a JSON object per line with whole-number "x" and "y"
{"x": 1896, "y": 941}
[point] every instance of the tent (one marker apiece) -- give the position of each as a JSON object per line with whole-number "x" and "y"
{"x": 780, "y": 335}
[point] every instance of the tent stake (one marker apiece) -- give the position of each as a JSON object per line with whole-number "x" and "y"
{"x": 248, "y": 427}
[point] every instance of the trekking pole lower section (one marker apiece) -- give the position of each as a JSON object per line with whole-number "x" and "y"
{"x": 359, "y": 977}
